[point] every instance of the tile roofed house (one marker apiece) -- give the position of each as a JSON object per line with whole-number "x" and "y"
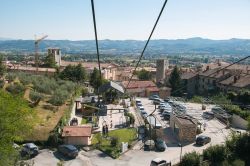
{"x": 188, "y": 75}
{"x": 77, "y": 135}
{"x": 209, "y": 78}
{"x": 214, "y": 73}
{"x": 141, "y": 88}
{"x": 235, "y": 83}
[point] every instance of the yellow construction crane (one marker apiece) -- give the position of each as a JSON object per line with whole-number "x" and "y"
{"x": 37, "y": 41}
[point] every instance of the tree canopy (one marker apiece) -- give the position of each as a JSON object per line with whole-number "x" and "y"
{"x": 175, "y": 82}
{"x": 144, "y": 75}
{"x": 95, "y": 80}
{"x": 74, "y": 73}
{"x": 16, "y": 119}
{"x": 49, "y": 61}
{"x": 2, "y": 67}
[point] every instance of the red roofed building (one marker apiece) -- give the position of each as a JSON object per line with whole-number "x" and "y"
{"x": 77, "y": 135}
{"x": 141, "y": 88}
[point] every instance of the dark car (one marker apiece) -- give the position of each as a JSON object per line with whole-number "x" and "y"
{"x": 157, "y": 101}
{"x": 160, "y": 145}
{"x": 68, "y": 150}
{"x": 208, "y": 115}
{"x": 29, "y": 150}
{"x": 202, "y": 140}
{"x": 159, "y": 162}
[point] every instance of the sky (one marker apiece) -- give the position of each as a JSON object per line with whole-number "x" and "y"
{"x": 125, "y": 19}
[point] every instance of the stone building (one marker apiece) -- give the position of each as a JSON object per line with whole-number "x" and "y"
{"x": 77, "y": 135}
{"x": 160, "y": 69}
{"x": 56, "y": 54}
{"x": 184, "y": 128}
{"x": 141, "y": 88}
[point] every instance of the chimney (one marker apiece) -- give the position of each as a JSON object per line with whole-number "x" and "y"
{"x": 207, "y": 68}
{"x": 223, "y": 72}
{"x": 218, "y": 62}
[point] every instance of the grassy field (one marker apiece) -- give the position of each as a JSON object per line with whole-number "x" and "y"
{"x": 46, "y": 121}
{"x": 123, "y": 135}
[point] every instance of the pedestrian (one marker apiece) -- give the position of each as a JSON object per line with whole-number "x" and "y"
{"x": 111, "y": 125}
{"x": 107, "y": 130}
{"x": 103, "y": 131}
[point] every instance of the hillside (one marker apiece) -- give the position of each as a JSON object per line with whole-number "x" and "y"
{"x": 128, "y": 47}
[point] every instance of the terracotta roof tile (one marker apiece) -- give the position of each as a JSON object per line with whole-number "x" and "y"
{"x": 77, "y": 131}
{"x": 138, "y": 84}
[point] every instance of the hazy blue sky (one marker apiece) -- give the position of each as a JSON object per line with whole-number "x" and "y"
{"x": 125, "y": 19}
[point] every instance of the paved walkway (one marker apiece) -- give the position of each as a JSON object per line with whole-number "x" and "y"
{"x": 73, "y": 115}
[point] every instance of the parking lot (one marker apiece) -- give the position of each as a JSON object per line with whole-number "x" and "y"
{"x": 150, "y": 107}
{"x": 215, "y": 129}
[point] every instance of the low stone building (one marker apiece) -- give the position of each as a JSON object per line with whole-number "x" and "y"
{"x": 141, "y": 88}
{"x": 77, "y": 135}
{"x": 184, "y": 128}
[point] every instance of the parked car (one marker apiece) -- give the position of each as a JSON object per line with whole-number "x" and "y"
{"x": 166, "y": 112}
{"x": 160, "y": 145}
{"x": 68, "y": 150}
{"x": 202, "y": 140}
{"x": 30, "y": 150}
{"x": 137, "y": 101}
{"x": 159, "y": 162}
{"x": 149, "y": 145}
{"x": 153, "y": 97}
{"x": 157, "y": 101}
{"x": 208, "y": 115}
{"x": 139, "y": 105}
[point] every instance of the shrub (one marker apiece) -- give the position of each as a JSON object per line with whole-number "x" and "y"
{"x": 189, "y": 159}
{"x": 131, "y": 118}
{"x": 35, "y": 96}
{"x": 197, "y": 99}
{"x": 215, "y": 154}
{"x": 54, "y": 140}
{"x": 16, "y": 88}
{"x": 84, "y": 91}
{"x": 1, "y": 83}
{"x": 59, "y": 97}
{"x": 114, "y": 141}
{"x": 10, "y": 77}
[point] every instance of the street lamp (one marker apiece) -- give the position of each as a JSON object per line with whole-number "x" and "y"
{"x": 181, "y": 150}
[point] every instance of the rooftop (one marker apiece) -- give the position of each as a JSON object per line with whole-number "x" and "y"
{"x": 186, "y": 120}
{"x": 77, "y": 131}
{"x": 237, "y": 81}
{"x": 213, "y": 74}
{"x": 91, "y": 65}
{"x": 138, "y": 84}
{"x": 188, "y": 75}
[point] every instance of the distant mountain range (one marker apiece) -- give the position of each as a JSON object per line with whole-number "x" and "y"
{"x": 130, "y": 47}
